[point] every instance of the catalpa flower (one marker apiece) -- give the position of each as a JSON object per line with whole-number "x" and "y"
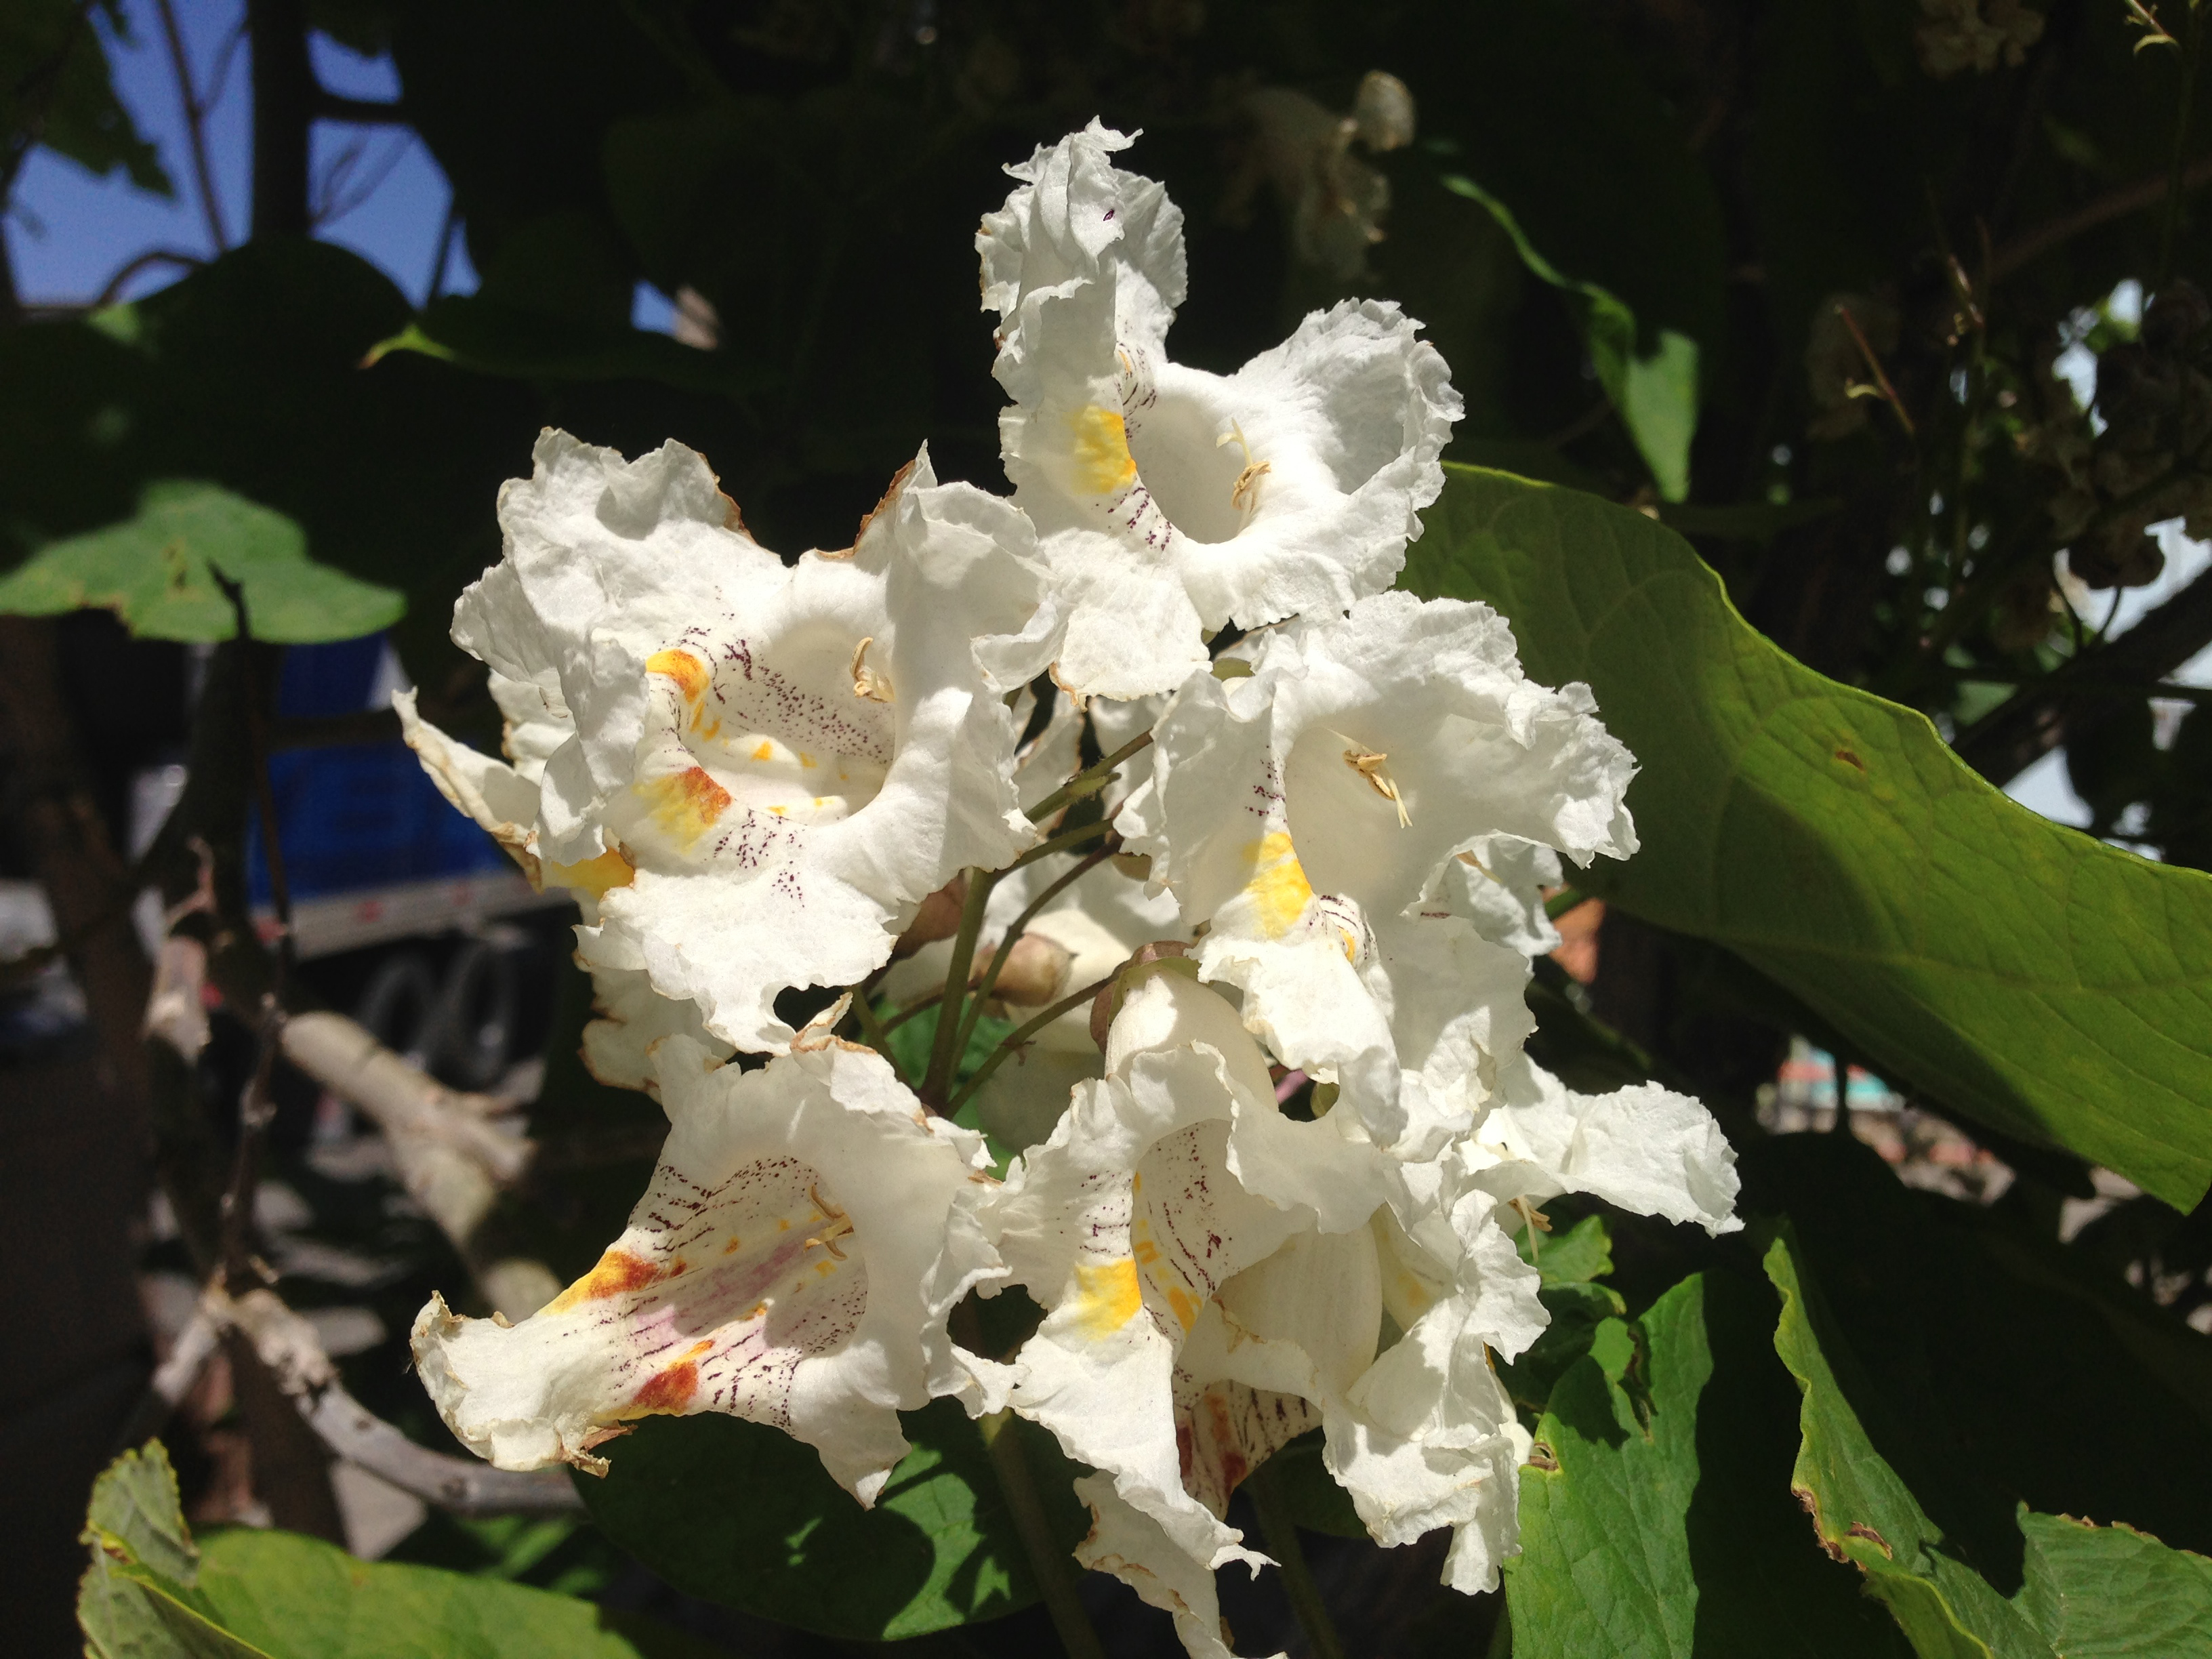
{"x": 793, "y": 1263}
{"x": 761, "y": 770}
{"x": 502, "y": 798}
{"x": 1171, "y": 502}
{"x": 1217, "y": 1276}
{"x": 1642, "y": 1148}
{"x": 1327, "y": 817}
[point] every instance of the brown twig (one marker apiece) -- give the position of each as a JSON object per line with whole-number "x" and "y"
{"x": 1874, "y": 362}
{"x": 2131, "y": 198}
{"x": 255, "y": 1108}
{"x": 160, "y": 256}
{"x": 1005, "y": 950}
{"x": 195, "y": 123}
{"x": 1017, "y": 1039}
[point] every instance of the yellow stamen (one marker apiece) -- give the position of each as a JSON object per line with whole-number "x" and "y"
{"x": 1244, "y": 493}
{"x": 1369, "y": 765}
{"x": 840, "y": 1225}
{"x": 1537, "y": 1220}
{"x": 866, "y": 683}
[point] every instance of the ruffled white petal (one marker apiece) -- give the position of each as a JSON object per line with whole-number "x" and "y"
{"x": 1165, "y": 1179}
{"x": 1169, "y": 501}
{"x": 1644, "y": 1148}
{"x": 1316, "y": 815}
{"x": 1129, "y": 1544}
{"x": 1078, "y": 221}
{"x": 793, "y": 1262}
{"x": 764, "y": 769}
{"x": 632, "y": 1016}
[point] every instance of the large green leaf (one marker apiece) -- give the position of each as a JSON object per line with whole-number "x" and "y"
{"x": 1997, "y": 1366}
{"x": 1654, "y": 1514}
{"x": 247, "y": 375}
{"x": 2055, "y": 988}
{"x": 155, "y": 572}
{"x": 298, "y": 1598}
{"x": 1866, "y": 1514}
{"x": 151, "y": 1593}
{"x": 2081, "y": 1591}
{"x": 138, "y": 1598}
{"x": 742, "y": 1514}
{"x": 2114, "y": 1593}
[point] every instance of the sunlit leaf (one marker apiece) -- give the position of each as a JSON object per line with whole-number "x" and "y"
{"x": 2077, "y": 1591}
{"x": 1655, "y": 1520}
{"x": 2055, "y": 988}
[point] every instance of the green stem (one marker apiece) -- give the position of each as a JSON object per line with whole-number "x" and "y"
{"x": 1566, "y": 899}
{"x": 879, "y": 1038}
{"x": 1061, "y": 843}
{"x": 945, "y": 1051}
{"x": 1055, "y": 1583}
{"x": 1089, "y": 781}
{"x": 1020, "y": 1035}
{"x": 1281, "y": 1533}
{"x": 1006, "y": 949}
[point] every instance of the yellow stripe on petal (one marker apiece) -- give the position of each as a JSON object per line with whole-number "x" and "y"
{"x": 686, "y": 803}
{"x": 686, "y": 670}
{"x": 1107, "y": 1296}
{"x": 596, "y": 875}
{"x": 1277, "y": 885}
{"x": 1100, "y": 451}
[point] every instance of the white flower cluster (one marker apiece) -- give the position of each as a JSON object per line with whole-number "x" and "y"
{"x": 759, "y": 775}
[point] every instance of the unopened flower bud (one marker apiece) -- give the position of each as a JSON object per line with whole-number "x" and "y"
{"x": 937, "y": 918}
{"x": 1035, "y": 971}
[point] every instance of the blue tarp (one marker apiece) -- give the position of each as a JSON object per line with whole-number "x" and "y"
{"x": 356, "y": 817}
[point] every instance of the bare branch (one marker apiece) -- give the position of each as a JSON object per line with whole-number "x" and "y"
{"x": 2035, "y": 719}
{"x": 181, "y": 65}
{"x": 358, "y": 111}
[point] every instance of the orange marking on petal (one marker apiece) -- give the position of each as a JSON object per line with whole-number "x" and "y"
{"x": 617, "y": 1273}
{"x": 686, "y": 670}
{"x": 766, "y": 751}
{"x": 669, "y": 1391}
{"x": 687, "y": 803}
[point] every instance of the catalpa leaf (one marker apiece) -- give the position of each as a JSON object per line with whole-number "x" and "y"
{"x": 157, "y": 571}
{"x": 2058, "y": 989}
{"x": 2081, "y": 1591}
{"x": 1655, "y": 1516}
{"x": 741, "y": 1513}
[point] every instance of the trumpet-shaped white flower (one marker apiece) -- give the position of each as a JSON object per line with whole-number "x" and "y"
{"x": 759, "y": 770}
{"x": 1215, "y": 1274}
{"x": 1169, "y": 501}
{"x": 793, "y": 1262}
{"x": 1330, "y": 815}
